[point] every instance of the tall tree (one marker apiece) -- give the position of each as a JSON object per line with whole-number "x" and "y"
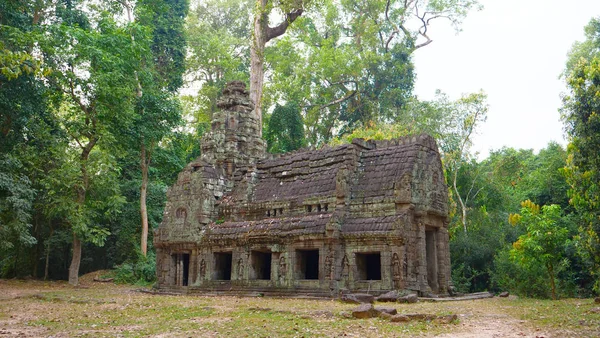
{"x": 88, "y": 52}
{"x": 544, "y": 241}
{"x": 582, "y": 123}
{"x": 158, "y": 73}
{"x": 219, "y": 34}
{"x": 262, "y": 34}
{"x": 285, "y": 129}
{"x": 359, "y": 56}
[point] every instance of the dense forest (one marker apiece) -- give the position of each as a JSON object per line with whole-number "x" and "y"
{"x": 94, "y": 126}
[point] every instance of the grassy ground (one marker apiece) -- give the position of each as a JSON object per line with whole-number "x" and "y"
{"x": 42, "y": 309}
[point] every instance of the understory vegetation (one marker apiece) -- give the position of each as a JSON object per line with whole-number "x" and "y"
{"x": 94, "y": 128}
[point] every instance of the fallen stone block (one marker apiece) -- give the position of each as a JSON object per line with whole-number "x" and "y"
{"x": 385, "y": 315}
{"x": 504, "y": 294}
{"x": 412, "y": 298}
{"x": 446, "y": 319}
{"x": 364, "y": 311}
{"x": 364, "y": 297}
{"x": 392, "y": 311}
{"x": 420, "y": 316}
{"x": 391, "y": 296}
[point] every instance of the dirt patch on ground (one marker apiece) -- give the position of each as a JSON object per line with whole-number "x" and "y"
{"x": 493, "y": 325}
{"x": 34, "y": 309}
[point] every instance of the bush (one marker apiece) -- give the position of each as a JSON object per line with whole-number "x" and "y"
{"x": 530, "y": 281}
{"x": 142, "y": 271}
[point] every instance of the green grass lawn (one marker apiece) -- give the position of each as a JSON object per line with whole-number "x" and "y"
{"x": 33, "y": 308}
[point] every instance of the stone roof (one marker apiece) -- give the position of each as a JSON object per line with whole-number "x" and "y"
{"x": 301, "y": 174}
{"x": 287, "y": 226}
{"x": 375, "y": 173}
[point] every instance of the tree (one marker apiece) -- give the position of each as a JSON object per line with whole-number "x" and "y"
{"x": 359, "y": 57}
{"x": 158, "y": 73}
{"x": 580, "y": 113}
{"x": 262, "y": 34}
{"x": 544, "y": 241}
{"x": 91, "y": 76}
{"x": 219, "y": 34}
{"x": 285, "y": 131}
{"x": 474, "y": 112}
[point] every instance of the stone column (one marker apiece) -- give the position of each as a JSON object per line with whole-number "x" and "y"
{"x": 422, "y": 258}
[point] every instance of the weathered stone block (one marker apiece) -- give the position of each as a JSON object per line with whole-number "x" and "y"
{"x": 391, "y": 296}
{"x": 411, "y": 298}
{"x": 364, "y": 311}
{"x": 390, "y": 310}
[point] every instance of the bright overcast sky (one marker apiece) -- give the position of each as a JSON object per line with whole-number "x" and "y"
{"x": 515, "y": 50}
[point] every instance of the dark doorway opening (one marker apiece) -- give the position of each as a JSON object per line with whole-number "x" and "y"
{"x": 308, "y": 264}
{"x": 261, "y": 264}
{"x": 182, "y": 269}
{"x": 185, "y": 262}
{"x": 222, "y": 270}
{"x": 368, "y": 266}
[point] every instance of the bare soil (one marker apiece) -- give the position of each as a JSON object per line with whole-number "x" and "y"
{"x": 55, "y": 309}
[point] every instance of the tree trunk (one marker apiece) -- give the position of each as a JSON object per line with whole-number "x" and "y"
{"x": 75, "y": 261}
{"x": 257, "y": 53}
{"x": 48, "y": 254}
{"x": 143, "y": 208}
{"x": 463, "y": 208}
{"x": 81, "y": 194}
{"x": 550, "y": 268}
{"x": 36, "y": 255}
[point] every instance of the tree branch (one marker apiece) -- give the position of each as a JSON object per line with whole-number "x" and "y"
{"x": 273, "y": 32}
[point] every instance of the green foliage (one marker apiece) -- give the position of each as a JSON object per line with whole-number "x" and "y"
{"x": 582, "y": 123}
{"x": 523, "y": 280}
{"x": 285, "y": 131}
{"x": 358, "y": 54}
{"x": 218, "y": 34}
{"x": 141, "y": 271}
{"x": 16, "y": 199}
{"x": 544, "y": 242}
{"x": 165, "y": 20}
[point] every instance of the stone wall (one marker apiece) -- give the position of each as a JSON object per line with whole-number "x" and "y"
{"x": 363, "y": 216}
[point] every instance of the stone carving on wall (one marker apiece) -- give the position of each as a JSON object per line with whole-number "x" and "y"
{"x": 341, "y": 184}
{"x": 202, "y": 269}
{"x": 282, "y": 268}
{"x": 329, "y": 267}
{"x": 240, "y": 268}
{"x": 396, "y": 267}
{"x": 345, "y": 267}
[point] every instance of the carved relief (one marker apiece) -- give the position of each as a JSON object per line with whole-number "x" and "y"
{"x": 240, "y": 268}
{"x": 396, "y": 268}
{"x": 329, "y": 267}
{"x": 202, "y": 269}
{"x": 341, "y": 184}
{"x": 345, "y": 267}
{"x": 282, "y": 268}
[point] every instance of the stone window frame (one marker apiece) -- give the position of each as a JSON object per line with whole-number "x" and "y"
{"x": 357, "y": 269}
{"x": 181, "y": 214}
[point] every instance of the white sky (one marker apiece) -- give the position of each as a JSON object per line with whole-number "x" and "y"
{"x": 515, "y": 50}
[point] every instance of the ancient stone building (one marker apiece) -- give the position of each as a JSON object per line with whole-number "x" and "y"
{"x": 366, "y": 216}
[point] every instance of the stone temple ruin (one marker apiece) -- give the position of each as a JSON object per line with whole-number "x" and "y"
{"x": 366, "y": 216}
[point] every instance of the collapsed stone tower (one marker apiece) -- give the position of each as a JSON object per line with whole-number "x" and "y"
{"x": 357, "y": 217}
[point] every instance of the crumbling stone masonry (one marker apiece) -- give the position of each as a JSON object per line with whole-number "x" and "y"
{"x": 366, "y": 216}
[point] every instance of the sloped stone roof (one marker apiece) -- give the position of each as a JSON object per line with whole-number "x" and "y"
{"x": 285, "y": 226}
{"x": 301, "y": 174}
